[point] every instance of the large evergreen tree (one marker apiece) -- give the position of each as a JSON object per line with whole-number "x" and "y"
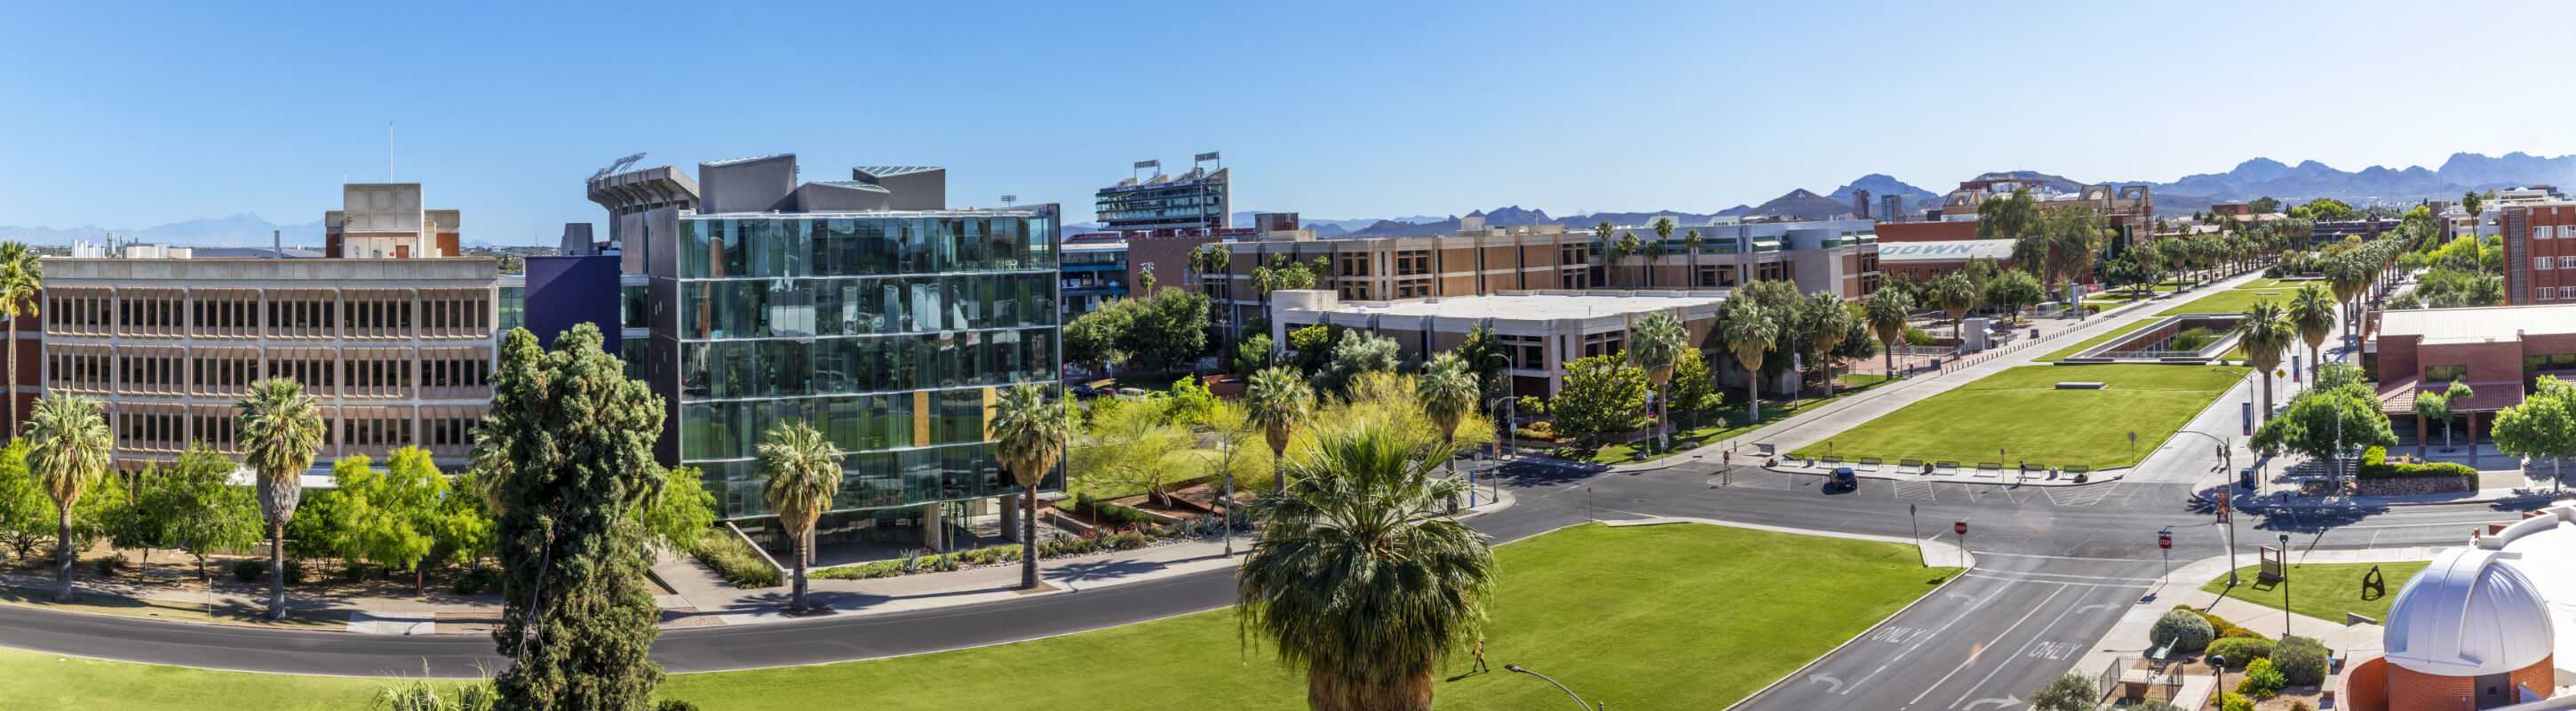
{"x": 569, "y": 449}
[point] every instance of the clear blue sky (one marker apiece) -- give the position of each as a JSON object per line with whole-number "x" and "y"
{"x": 131, "y": 117}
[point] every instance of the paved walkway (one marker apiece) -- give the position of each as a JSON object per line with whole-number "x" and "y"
{"x": 2128, "y": 639}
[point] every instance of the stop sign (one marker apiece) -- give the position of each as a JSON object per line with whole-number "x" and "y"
{"x": 1961, "y": 528}
{"x": 2164, "y": 539}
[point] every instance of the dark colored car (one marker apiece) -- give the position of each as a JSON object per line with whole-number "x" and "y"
{"x": 1843, "y": 479}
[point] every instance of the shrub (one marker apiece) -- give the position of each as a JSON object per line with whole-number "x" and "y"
{"x": 2224, "y": 628}
{"x": 2374, "y": 456}
{"x": 2232, "y": 701}
{"x": 109, "y": 565}
{"x": 2191, "y": 339}
{"x": 1916, "y": 336}
{"x": 2071, "y": 692}
{"x": 251, "y": 571}
{"x": 2385, "y": 470}
{"x": 1105, "y": 512}
{"x": 2301, "y": 661}
{"x": 1128, "y": 540}
{"x": 2240, "y": 651}
{"x": 2184, "y": 630}
{"x": 674, "y": 705}
{"x": 2301, "y": 706}
{"x": 2261, "y": 680}
{"x": 735, "y": 561}
{"x": 477, "y": 579}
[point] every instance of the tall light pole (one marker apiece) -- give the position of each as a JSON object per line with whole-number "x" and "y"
{"x": 1569, "y": 693}
{"x": 2285, "y": 587}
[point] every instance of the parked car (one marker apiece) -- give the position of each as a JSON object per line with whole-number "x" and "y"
{"x": 1086, "y": 392}
{"x": 1843, "y": 479}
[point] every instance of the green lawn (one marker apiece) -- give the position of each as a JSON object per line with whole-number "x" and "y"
{"x": 2323, "y": 591}
{"x": 2021, "y": 411}
{"x": 2070, "y": 351}
{"x": 1608, "y": 611}
{"x": 1736, "y": 423}
{"x": 2231, "y": 301}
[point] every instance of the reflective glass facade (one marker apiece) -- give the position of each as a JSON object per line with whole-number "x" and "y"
{"x": 890, "y": 333}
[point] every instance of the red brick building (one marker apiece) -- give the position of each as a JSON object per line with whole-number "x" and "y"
{"x": 2497, "y": 350}
{"x": 2539, "y": 252}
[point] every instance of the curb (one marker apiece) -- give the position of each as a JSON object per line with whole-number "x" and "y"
{"x": 2251, "y": 508}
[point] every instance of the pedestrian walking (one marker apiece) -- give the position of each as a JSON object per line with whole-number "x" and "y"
{"x": 1480, "y": 656}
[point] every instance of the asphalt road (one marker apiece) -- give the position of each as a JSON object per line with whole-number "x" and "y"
{"x": 2057, "y": 567}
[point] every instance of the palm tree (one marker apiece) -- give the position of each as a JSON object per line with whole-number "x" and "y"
{"x": 1691, "y": 243}
{"x": 1601, "y": 248}
{"x": 1030, "y": 431}
{"x": 1748, "y": 331}
{"x": 1663, "y": 227}
{"x": 1359, "y": 579}
{"x": 2471, "y": 202}
{"x": 1447, "y": 391}
{"x": 1827, "y": 318}
{"x": 22, "y": 279}
{"x": 1628, "y": 246}
{"x": 2263, "y": 333}
{"x": 69, "y": 455}
{"x": 1887, "y": 312}
{"x": 281, "y": 429}
{"x": 2349, "y": 276}
{"x": 1279, "y": 401}
{"x": 1656, "y": 344}
{"x": 1957, "y": 295}
{"x": 804, "y": 472}
{"x": 2312, "y": 312}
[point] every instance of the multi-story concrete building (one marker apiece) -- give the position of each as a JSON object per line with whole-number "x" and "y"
{"x": 2539, "y": 250}
{"x": 868, "y": 308}
{"x": 1541, "y": 331}
{"x": 388, "y": 221}
{"x": 398, "y": 350}
{"x": 1833, "y": 256}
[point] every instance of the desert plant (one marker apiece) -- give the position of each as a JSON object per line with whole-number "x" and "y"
{"x": 2239, "y": 651}
{"x": 2301, "y": 661}
{"x": 2261, "y": 682}
{"x": 2183, "y": 630}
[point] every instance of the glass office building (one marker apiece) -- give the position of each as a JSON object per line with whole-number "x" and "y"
{"x": 890, "y": 331}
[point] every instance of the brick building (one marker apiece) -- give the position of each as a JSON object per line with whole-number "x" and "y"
{"x": 2497, "y": 350}
{"x": 2539, "y": 251}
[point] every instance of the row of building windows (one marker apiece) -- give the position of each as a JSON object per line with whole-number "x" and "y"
{"x": 822, "y": 366}
{"x": 302, "y": 314}
{"x": 2545, "y": 293}
{"x": 856, "y": 306}
{"x": 734, "y": 429}
{"x": 877, "y": 479}
{"x": 171, "y": 429}
{"x": 2561, "y": 232}
{"x": 355, "y": 373}
{"x": 790, "y": 246}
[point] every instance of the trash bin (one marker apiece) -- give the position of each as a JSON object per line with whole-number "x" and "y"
{"x": 2245, "y": 478}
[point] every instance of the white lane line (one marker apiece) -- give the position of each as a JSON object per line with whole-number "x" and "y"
{"x": 2037, "y": 574}
{"x": 2025, "y": 649}
{"x": 2428, "y": 524}
{"x": 1929, "y": 636}
{"x": 1980, "y": 649}
{"x": 2064, "y": 557}
{"x": 2124, "y": 586}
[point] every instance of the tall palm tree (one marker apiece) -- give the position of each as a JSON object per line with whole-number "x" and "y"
{"x": 1359, "y": 579}
{"x": 1663, "y": 227}
{"x": 1628, "y": 246}
{"x": 1030, "y": 431}
{"x": 803, "y": 470}
{"x": 2312, "y": 312}
{"x": 1280, "y": 402}
{"x": 2349, "y": 276}
{"x": 1447, "y": 391}
{"x": 281, "y": 429}
{"x": 1691, "y": 243}
{"x": 1957, "y": 296}
{"x": 1748, "y": 331}
{"x": 2263, "y": 333}
{"x": 2472, "y": 202}
{"x": 1656, "y": 344}
{"x": 1602, "y": 243}
{"x": 1825, "y": 320}
{"x": 1887, "y": 312}
{"x": 22, "y": 279}
{"x": 69, "y": 455}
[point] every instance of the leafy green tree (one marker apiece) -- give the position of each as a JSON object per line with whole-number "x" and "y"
{"x": 2072, "y": 237}
{"x": 1362, "y": 514}
{"x": 68, "y": 449}
{"x": 22, "y": 287}
{"x": 1694, "y": 389}
{"x": 2544, "y": 425}
{"x": 281, "y": 428}
{"x": 465, "y": 518}
{"x": 1357, "y": 353}
{"x": 802, "y": 470}
{"x": 1315, "y": 345}
{"x": 1749, "y": 330}
{"x": 2010, "y": 217}
{"x": 1656, "y": 343}
{"x": 1096, "y": 338}
{"x": 1957, "y": 296}
{"x": 1886, "y": 313}
{"x": 1169, "y": 331}
{"x": 1252, "y": 354}
{"x": 203, "y": 511}
{"x": 2126, "y": 270}
{"x": 393, "y": 514}
{"x": 1279, "y": 403}
{"x": 2013, "y": 291}
{"x": 1484, "y": 356}
{"x": 1030, "y": 432}
{"x": 2264, "y": 205}
{"x": 1187, "y": 402}
{"x": 26, "y": 516}
{"x": 2328, "y": 419}
{"x": 569, "y": 444}
{"x": 1602, "y": 394}
{"x": 1240, "y": 457}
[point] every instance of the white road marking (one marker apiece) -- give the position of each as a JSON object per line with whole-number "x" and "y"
{"x": 1974, "y": 605}
{"x": 1980, "y": 649}
{"x": 2132, "y": 586}
{"x": 2025, "y": 650}
{"x": 2062, "y": 557}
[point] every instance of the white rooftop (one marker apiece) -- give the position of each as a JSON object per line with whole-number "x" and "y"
{"x": 1545, "y": 305}
{"x": 2500, "y": 324}
{"x": 2494, "y": 606}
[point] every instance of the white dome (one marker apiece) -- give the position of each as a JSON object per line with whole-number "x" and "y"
{"x": 2471, "y": 612}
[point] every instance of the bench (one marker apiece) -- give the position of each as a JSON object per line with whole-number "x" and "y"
{"x": 1910, "y": 463}
{"x": 2077, "y": 469}
{"x": 1990, "y": 466}
{"x": 1871, "y": 462}
{"x": 1831, "y": 459}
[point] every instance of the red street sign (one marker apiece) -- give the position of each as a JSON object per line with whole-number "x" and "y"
{"x": 2164, "y": 540}
{"x": 1961, "y": 528}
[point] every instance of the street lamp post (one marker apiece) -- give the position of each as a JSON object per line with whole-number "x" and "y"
{"x": 1569, "y": 693}
{"x": 2285, "y": 587}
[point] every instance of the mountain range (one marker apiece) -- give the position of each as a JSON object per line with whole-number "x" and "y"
{"x": 2258, "y": 177}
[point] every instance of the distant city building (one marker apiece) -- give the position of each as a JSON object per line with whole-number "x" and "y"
{"x": 1196, "y": 200}
{"x": 1891, "y": 208}
{"x": 1860, "y": 204}
{"x": 866, "y": 307}
{"x": 1092, "y": 271}
{"x": 1540, "y": 331}
{"x": 2539, "y": 250}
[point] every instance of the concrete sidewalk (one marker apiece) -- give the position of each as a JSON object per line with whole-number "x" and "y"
{"x": 2129, "y": 638}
